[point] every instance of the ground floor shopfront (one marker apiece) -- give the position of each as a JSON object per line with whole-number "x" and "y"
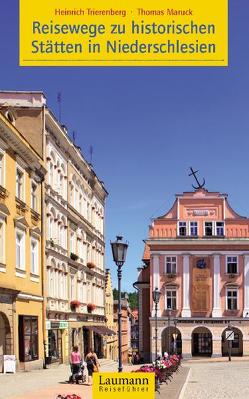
{"x": 21, "y": 329}
{"x": 63, "y": 335}
{"x": 200, "y": 337}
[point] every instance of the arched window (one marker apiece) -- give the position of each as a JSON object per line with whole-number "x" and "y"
{"x": 63, "y": 183}
{"x": 52, "y": 278}
{"x": 51, "y": 168}
{"x": 61, "y": 284}
{"x": 52, "y": 225}
{"x": 64, "y": 274}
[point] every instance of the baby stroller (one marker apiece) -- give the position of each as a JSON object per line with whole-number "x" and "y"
{"x": 79, "y": 376}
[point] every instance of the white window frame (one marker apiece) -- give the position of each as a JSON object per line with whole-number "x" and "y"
{"x": 2, "y": 168}
{"x": 178, "y": 228}
{"x": 215, "y": 228}
{"x": 34, "y": 205}
{"x": 51, "y": 174}
{"x": 72, "y": 239}
{"x": 22, "y": 249}
{"x": 34, "y": 270}
{"x": 65, "y": 295}
{"x": 237, "y": 261}
{"x": 204, "y": 228}
{"x": 50, "y": 281}
{"x": 189, "y": 228}
{"x": 170, "y": 290}
{"x": 72, "y": 287}
{"x": 22, "y": 194}
{"x": 237, "y": 298}
{"x": 2, "y": 239}
{"x": 171, "y": 262}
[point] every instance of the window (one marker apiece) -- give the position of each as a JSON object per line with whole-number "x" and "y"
{"x": 232, "y": 298}
{"x": 34, "y": 196}
{"x": 208, "y": 228}
{"x": 72, "y": 288}
{"x": 19, "y": 183}
{"x": 220, "y": 228}
{"x": 51, "y": 282}
{"x": 88, "y": 212}
{"x": 1, "y": 169}
{"x": 61, "y": 235}
{"x": 72, "y": 242}
{"x": 20, "y": 249}
{"x": 28, "y": 338}
{"x": 34, "y": 257}
{"x": 2, "y": 240}
{"x": 193, "y": 229}
{"x": 235, "y": 341}
{"x": 61, "y": 286}
{"x": 232, "y": 264}
{"x": 61, "y": 185}
{"x": 171, "y": 299}
{"x": 80, "y": 203}
{"x": 182, "y": 229}
{"x": 171, "y": 265}
{"x": 51, "y": 173}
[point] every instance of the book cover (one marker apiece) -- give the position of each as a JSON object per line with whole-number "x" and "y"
{"x": 107, "y": 110}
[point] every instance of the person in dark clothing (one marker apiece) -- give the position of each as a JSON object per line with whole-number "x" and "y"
{"x": 92, "y": 364}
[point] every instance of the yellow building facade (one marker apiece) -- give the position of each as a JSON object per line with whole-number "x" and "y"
{"x": 21, "y": 248}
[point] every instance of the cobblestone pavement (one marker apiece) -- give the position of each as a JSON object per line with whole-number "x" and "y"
{"x": 45, "y": 384}
{"x": 218, "y": 380}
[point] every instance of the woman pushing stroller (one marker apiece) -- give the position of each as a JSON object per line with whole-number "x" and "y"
{"x": 76, "y": 364}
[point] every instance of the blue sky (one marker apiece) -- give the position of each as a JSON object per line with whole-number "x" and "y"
{"x": 147, "y": 126}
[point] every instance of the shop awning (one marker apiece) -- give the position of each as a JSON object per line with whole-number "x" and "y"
{"x": 102, "y": 330}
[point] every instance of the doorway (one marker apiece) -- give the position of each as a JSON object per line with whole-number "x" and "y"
{"x": 202, "y": 343}
{"x": 4, "y": 338}
{"x": 236, "y": 344}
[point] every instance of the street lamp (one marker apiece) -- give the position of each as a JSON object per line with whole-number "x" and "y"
{"x": 169, "y": 335}
{"x": 119, "y": 250}
{"x": 175, "y": 336}
{"x": 156, "y": 297}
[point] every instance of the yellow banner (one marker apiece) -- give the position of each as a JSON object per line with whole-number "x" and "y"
{"x": 123, "y": 385}
{"x": 124, "y": 33}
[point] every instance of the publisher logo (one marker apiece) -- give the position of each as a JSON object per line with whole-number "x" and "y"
{"x": 123, "y": 385}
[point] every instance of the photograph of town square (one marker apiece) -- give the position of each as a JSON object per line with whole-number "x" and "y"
{"x": 124, "y": 224}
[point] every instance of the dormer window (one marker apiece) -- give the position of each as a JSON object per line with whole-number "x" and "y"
{"x": 208, "y": 229}
{"x": 193, "y": 229}
{"x": 220, "y": 228}
{"x": 182, "y": 228}
{"x": 214, "y": 229}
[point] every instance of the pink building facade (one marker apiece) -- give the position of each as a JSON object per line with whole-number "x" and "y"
{"x": 197, "y": 255}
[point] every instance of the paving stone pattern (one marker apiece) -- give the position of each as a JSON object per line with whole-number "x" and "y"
{"x": 47, "y": 384}
{"x": 223, "y": 380}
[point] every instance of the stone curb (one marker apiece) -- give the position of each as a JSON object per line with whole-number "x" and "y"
{"x": 184, "y": 385}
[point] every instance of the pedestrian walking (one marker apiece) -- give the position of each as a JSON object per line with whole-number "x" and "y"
{"x": 75, "y": 360}
{"x": 92, "y": 364}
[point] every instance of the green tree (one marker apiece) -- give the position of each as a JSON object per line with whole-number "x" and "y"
{"x": 132, "y": 298}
